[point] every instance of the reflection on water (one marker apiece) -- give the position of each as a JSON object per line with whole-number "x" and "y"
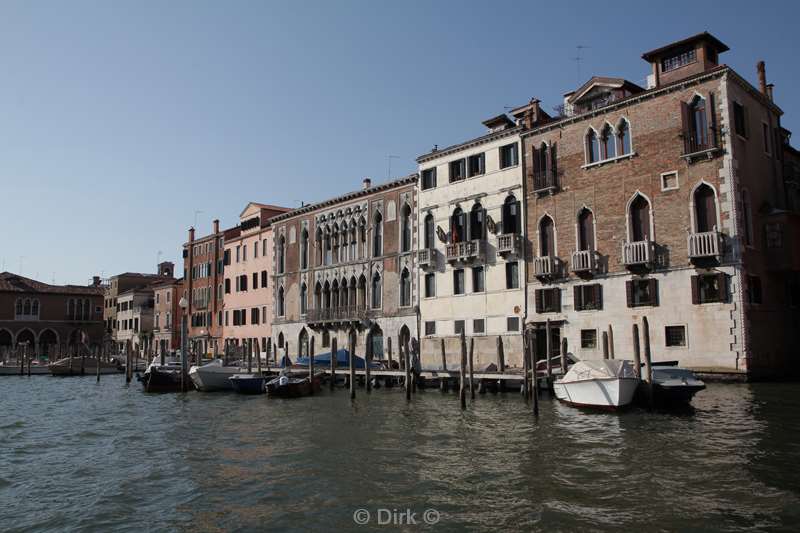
{"x": 76, "y": 455}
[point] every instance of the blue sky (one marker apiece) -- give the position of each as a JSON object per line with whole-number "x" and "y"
{"x": 119, "y": 120}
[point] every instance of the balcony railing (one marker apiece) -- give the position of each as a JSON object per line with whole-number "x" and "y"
{"x": 696, "y": 142}
{"x": 545, "y": 266}
{"x": 637, "y": 253}
{"x": 584, "y": 261}
{"x": 705, "y": 244}
{"x": 338, "y": 314}
{"x": 427, "y": 258}
{"x": 509, "y": 244}
{"x": 465, "y": 252}
{"x": 544, "y": 180}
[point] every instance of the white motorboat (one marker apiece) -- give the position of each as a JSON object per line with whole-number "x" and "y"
{"x": 213, "y": 376}
{"x": 604, "y": 384}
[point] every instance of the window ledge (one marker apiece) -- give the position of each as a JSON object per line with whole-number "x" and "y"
{"x": 610, "y": 160}
{"x": 708, "y": 152}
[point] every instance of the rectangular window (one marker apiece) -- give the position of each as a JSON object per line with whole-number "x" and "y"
{"x": 512, "y": 323}
{"x": 478, "y": 284}
{"x": 458, "y": 327}
{"x": 254, "y": 315}
{"x": 238, "y": 253}
{"x": 226, "y": 318}
{"x": 479, "y": 325}
{"x": 457, "y": 170}
{"x": 678, "y": 60}
{"x": 588, "y": 297}
{"x": 243, "y": 283}
{"x": 255, "y": 280}
{"x": 476, "y": 165}
{"x": 458, "y": 281}
{"x": 263, "y": 279}
{"x": 753, "y": 290}
{"x": 264, "y": 315}
{"x": 641, "y": 292}
{"x": 548, "y": 300}
{"x": 227, "y": 286}
{"x": 430, "y": 327}
{"x": 512, "y": 275}
{"x": 709, "y": 288}
{"x": 669, "y": 181}
{"x": 244, "y": 253}
{"x": 739, "y": 119}
{"x": 255, "y": 251}
{"x": 430, "y": 285}
{"x": 428, "y": 178}
{"x": 509, "y": 155}
{"x": 675, "y": 335}
{"x": 589, "y": 339}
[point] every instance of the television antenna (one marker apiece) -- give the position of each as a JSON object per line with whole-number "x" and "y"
{"x": 578, "y": 49}
{"x": 390, "y": 157}
{"x": 198, "y": 212}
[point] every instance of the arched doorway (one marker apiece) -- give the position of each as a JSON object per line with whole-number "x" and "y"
{"x": 585, "y": 230}
{"x": 5, "y": 338}
{"x": 47, "y": 342}
{"x": 26, "y": 336}
{"x": 280, "y": 340}
{"x": 547, "y": 245}
{"x": 377, "y": 342}
{"x": 705, "y": 209}
{"x": 302, "y": 343}
{"x": 639, "y": 214}
{"x": 405, "y": 335}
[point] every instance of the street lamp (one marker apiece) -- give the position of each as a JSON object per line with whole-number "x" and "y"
{"x": 184, "y": 304}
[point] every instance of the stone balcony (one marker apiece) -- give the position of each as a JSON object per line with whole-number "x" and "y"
{"x": 544, "y": 181}
{"x": 426, "y": 258}
{"x": 345, "y": 313}
{"x": 509, "y": 244}
{"x": 546, "y": 266}
{"x": 638, "y": 253}
{"x": 467, "y": 251}
{"x": 584, "y": 261}
{"x": 707, "y": 244}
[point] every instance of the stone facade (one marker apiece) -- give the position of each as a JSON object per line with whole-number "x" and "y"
{"x": 248, "y": 265}
{"x": 347, "y": 262}
{"x": 167, "y": 315}
{"x": 135, "y": 318}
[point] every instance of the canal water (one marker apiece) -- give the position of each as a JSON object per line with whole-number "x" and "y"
{"x": 78, "y": 456}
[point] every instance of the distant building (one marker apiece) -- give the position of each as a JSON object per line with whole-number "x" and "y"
{"x": 203, "y": 274}
{"x": 135, "y": 318}
{"x": 46, "y": 316}
{"x": 167, "y": 315}
{"x": 248, "y": 263}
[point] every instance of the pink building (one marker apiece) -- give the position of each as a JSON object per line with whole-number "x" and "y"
{"x": 248, "y": 269}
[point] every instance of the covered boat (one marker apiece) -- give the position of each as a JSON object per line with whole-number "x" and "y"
{"x": 161, "y": 378}
{"x": 213, "y": 376}
{"x": 673, "y": 386}
{"x": 605, "y": 384}
{"x": 288, "y": 387}
{"x": 248, "y": 383}
{"x": 342, "y": 360}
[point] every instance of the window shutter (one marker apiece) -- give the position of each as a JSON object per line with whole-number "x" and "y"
{"x": 538, "y": 299}
{"x": 598, "y": 295}
{"x": 685, "y": 121}
{"x": 695, "y": 290}
{"x": 576, "y": 293}
{"x": 553, "y": 159}
{"x": 722, "y": 280}
{"x": 712, "y": 118}
{"x": 557, "y": 298}
{"x": 548, "y": 163}
{"x": 629, "y": 292}
{"x": 653, "y": 290}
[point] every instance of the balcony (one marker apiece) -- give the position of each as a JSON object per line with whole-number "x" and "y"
{"x": 509, "y": 244}
{"x": 544, "y": 181}
{"x": 466, "y": 252}
{"x": 638, "y": 253}
{"x": 546, "y": 267}
{"x": 705, "y": 244}
{"x": 345, "y": 313}
{"x": 427, "y": 258}
{"x": 584, "y": 261}
{"x": 700, "y": 144}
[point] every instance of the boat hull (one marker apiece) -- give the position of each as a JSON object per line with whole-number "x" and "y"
{"x": 62, "y": 367}
{"x": 248, "y": 384}
{"x": 294, "y": 388}
{"x": 210, "y": 378}
{"x": 673, "y": 396}
{"x": 161, "y": 380}
{"x": 601, "y": 393}
{"x": 14, "y": 371}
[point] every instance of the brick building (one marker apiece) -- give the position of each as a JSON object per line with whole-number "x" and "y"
{"x": 248, "y": 268}
{"x": 47, "y": 316}
{"x": 202, "y": 285}
{"x": 347, "y": 262}
{"x": 167, "y": 315}
{"x": 669, "y": 202}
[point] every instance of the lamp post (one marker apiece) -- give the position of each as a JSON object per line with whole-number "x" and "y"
{"x": 184, "y": 304}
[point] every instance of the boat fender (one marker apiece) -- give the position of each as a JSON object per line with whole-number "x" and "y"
{"x": 283, "y": 380}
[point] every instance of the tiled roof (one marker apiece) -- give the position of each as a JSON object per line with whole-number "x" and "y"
{"x": 10, "y": 282}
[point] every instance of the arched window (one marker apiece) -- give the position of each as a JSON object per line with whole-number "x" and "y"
{"x": 352, "y": 289}
{"x": 405, "y": 228}
{"x": 280, "y": 342}
{"x": 319, "y": 246}
{"x": 335, "y": 244}
{"x": 35, "y": 308}
{"x": 326, "y": 295}
{"x": 511, "y": 219}
{"x": 547, "y": 245}
{"x": 335, "y": 295}
{"x": 27, "y": 310}
{"x": 303, "y": 299}
{"x": 281, "y": 302}
{"x": 328, "y": 246}
{"x": 281, "y": 254}
{"x": 377, "y": 236}
{"x": 592, "y": 147}
{"x": 353, "y": 242}
{"x": 624, "y": 137}
{"x": 705, "y": 209}
{"x": 405, "y": 288}
{"x": 362, "y": 292}
{"x": 477, "y": 222}
{"x": 458, "y": 226}
{"x": 343, "y": 294}
{"x": 430, "y": 232}
{"x": 376, "y": 291}
{"x": 318, "y": 296}
{"x": 639, "y": 216}
{"x": 698, "y": 124}
{"x": 343, "y": 243}
{"x": 19, "y": 306}
{"x": 303, "y": 249}
{"x": 585, "y": 230}
{"x": 609, "y": 143}
{"x": 362, "y": 229}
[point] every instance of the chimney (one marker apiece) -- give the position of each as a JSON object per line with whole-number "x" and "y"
{"x": 531, "y": 116}
{"x": 216, "y": 226}
{"x": 762, "y": 77}
{"x": 191, "y": 234}
{"x": 366, "y": 184}
{"x": 96, "y": 281}
{"x": 770, "y": 87}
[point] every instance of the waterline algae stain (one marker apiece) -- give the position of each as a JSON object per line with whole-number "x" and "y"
{"x": 81, "y": 456}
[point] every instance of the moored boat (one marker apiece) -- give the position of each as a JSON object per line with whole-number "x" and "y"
{"x": 603, "y": 384}
{"x": 288, "y": 387}
{"x": 674, "y": 386}
{"x": 213, "y": 376}
{"x": 72, "y": 367}
{"x": 14, "y": 370}
{"x": 248, "y": 383}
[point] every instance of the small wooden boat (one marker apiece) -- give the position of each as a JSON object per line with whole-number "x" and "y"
{"x": 603, "y": 384}
{"x": 288, "y": 387}
{"x": 72, "y": 367}
{"x": 248, "y": 383}
{"x": 673, "y": 386}
{"x": 161, "y": 378}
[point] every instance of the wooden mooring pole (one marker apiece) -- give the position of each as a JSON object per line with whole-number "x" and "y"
{"x": 407, "y": 361}
{"x": 637, "y": 358}
{"x": 610, "y": 342}
{"x": 648, "y": 367}
{"x": 605, "y": 345}
{"x": 367, "y": 359}
{"x": 389, "y": 347}
{"x": 352, "y": 360}
{"x": 526, "y": 380}
{"x": 471, "y": 368}
{"x": 333, "y": 362}
{"x": 258, "y": 355}
{"x": 443, "y": 381}
{"x": 549, "y": 351}
{"x": 501, "y": 362}
{"x": 98, "y": 353}
{"x": 310, "y": 364}
{"x": 534, "y": 374}
{"x": 462, "y": 392}
{"x": 563, "y": 355}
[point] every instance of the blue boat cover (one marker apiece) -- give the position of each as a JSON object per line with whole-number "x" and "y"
{"x": 342, "y": 360}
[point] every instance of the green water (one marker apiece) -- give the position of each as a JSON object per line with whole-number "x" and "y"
{"x": 78, "y": 456}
